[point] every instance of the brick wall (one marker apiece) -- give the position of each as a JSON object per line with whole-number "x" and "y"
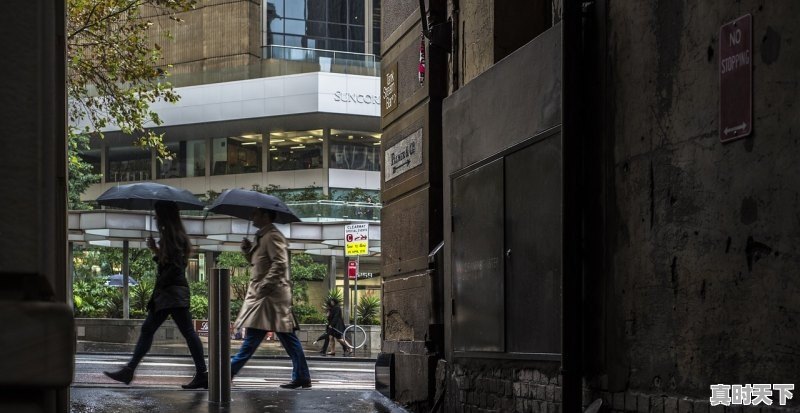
{"x": 502, "y": 389}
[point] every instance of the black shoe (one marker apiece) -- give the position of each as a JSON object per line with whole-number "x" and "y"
{"x": 306, "y": 384}
{"x": 123, "y": 375}
{"x": 200, "y": 380}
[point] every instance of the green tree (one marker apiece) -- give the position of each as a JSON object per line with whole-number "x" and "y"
{"x": 114, "y": 73}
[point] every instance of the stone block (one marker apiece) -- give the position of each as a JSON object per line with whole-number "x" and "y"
{"x": 619, "y": 402}
{"x": 701, "y": 406}
{"x": 409, "y": 369}
{"x": 630, "y": 402}
{"x": 685, "y": 406}
{"x": 549, "y": 391}
{"x": 671, "y": 405}
{"x": 540, "y": 392}
{"x": 643, "y": 403}
{"x": 716, "y": 409}
{"x": 656, "y": 404}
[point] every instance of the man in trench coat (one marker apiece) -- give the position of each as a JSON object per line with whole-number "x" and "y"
{"x": 268, "y": 303}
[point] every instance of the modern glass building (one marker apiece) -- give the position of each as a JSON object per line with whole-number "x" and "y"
{"x": 276, "y": 94}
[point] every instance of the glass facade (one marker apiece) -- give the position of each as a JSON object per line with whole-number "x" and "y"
{"x": 355, "y": 150}
{"x": 92, "y": 158}
{"x": 290, "y": 151}
{"x": 318, "y": 24}
{"x": 236, "y": 155}
{"x": 128, "y": 164}
{"x": 189, "y": 159}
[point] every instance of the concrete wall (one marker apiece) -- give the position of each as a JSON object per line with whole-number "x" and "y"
{"x": 701, "y": 280}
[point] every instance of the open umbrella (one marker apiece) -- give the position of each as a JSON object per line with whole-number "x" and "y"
{"x": 116, "y": 280}
{"x": 143, "y": 195}
{"x": 240, "y": 203}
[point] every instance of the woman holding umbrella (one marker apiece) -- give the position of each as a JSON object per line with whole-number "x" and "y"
{"x": 170, "y": 296}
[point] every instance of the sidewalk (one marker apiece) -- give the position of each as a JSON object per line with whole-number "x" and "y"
{"x": 267, "y": 349}
{"x": 102, "y": 400}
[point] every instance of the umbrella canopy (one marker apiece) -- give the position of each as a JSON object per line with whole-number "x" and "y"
{"x": 240, "y": 203}
{"x": 143, "y": 195}
{"x": 116, "y": 281}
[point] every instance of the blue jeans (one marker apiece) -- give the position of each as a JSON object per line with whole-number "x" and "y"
{"x": 183, "y": 319}
{"x": 290, "y": 343}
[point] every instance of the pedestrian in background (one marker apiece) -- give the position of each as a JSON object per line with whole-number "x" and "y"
{"x": 336, "y": 327}
{"x": 170, "y": 296}
{"x": 268, "y": 303}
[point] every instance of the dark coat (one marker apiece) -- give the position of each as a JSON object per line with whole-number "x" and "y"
{"x": 171, "y": 289}
{"x": 335, "y": 320}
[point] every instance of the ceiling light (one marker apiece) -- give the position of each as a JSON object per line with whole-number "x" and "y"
{"x": 301, "y": 146}
{"x": 276, "y": 140}
{"x": 350, "y": 137}
{"x": 376, "y": 143}
{"x": 273, "y": 149}
{"x": 249, "y": 143}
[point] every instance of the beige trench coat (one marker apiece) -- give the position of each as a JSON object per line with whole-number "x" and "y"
{"x": 268, "y": 303}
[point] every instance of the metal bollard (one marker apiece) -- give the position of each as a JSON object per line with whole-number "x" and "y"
{"x": 219, "y": 337}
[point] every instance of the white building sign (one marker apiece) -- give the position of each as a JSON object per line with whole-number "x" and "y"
{"x": 403, "y": 156}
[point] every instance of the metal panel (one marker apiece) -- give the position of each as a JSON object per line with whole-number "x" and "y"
{"x": 533, "y": 247}
{"x": 478, "y": 259}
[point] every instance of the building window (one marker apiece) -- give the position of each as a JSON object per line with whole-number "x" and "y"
{"x": 355, "y": 150}
{"x": 188, "y": 159}
{"x": 301, "y": 23}
{"x": 92, "y": 158}
{"x": 236, "y": 155}
{"x": 128, "y": 164}
{"x": 290, "y": 151}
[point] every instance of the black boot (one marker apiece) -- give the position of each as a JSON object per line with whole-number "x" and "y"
{"x": 200, "y": 380}
{"x": 123, "y": 375}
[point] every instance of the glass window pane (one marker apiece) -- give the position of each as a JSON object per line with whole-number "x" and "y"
{"x": 355, "y": 150}
{"x": 317, "y": 10}
{"x": 337, "y": 31}
{"x": 356, "y": 47}
{"x": 297, "y": 27}
{"x": 172, "y": 168}
{"x": 356, "y": 33}
{"x": 295, "y": 9}
{"x": 316, "y": 29}
{"x": 339, "y": 45}
{"x": 196, "y": 158}
{"x": 236, "y": 155}
{"x": 295, "y": 150}
{"x": 93, "y": 159}
{"x": 337, "y": 11}
{"x": 356, "y": 12}
{"x": 276, "y": 25}
{"x": 128, "y": 164}
{"x": 295, "y": 41}
{"x": 276, "y": 6}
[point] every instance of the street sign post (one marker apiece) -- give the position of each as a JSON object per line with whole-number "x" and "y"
{"x": 736, "y": 79}
{"x": 356, "y": 243}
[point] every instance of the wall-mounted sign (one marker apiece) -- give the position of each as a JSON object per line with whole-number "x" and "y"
{"x": 736, "y": 79}
{"x": 342, "y": 96}
{"x": 389, "y": 89}
{"x": 356, "y": 239}
{"x": 403, "y": 156}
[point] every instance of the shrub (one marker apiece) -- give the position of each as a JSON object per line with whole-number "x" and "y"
{"x": 308, "y": 314}
{"x": 368, "y": 309}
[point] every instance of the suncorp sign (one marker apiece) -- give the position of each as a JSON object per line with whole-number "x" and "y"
{"x": 341, "y": 96}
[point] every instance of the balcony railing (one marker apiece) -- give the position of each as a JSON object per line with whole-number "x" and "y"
{"x": 280, "y": 61}
{"x": 321, "y": 60}
{"x": 321, "y": 211}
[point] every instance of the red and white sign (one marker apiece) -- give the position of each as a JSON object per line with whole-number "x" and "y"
{"x": 736, "y": 79}
{"x": 352, "y": 269}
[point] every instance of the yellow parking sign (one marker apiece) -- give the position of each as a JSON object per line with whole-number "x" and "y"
{"x": 356, "y": 239}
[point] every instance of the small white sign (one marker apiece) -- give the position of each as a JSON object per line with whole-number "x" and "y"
{"x": 403, "y": 156}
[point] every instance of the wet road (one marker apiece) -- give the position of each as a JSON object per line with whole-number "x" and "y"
{"x": 171, "y": 372}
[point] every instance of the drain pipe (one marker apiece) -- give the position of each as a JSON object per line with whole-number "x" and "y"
{"x": 572, "y": 220}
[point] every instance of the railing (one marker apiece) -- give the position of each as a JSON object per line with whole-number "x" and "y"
{"x": 336, "y": 210}
{"x": 326, "y": 60}
{"x": 281, "y": 61}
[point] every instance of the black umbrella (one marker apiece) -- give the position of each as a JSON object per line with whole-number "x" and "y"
{"x": 143, "y": 195}
{"x": 116, "y": 281}
{"x": 240, "y": 203}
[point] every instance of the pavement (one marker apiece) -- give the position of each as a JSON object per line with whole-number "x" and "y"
{"x": 99, "y": 397}
{"x": 114, "y": 400}
{"x": 267, "y": 349}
